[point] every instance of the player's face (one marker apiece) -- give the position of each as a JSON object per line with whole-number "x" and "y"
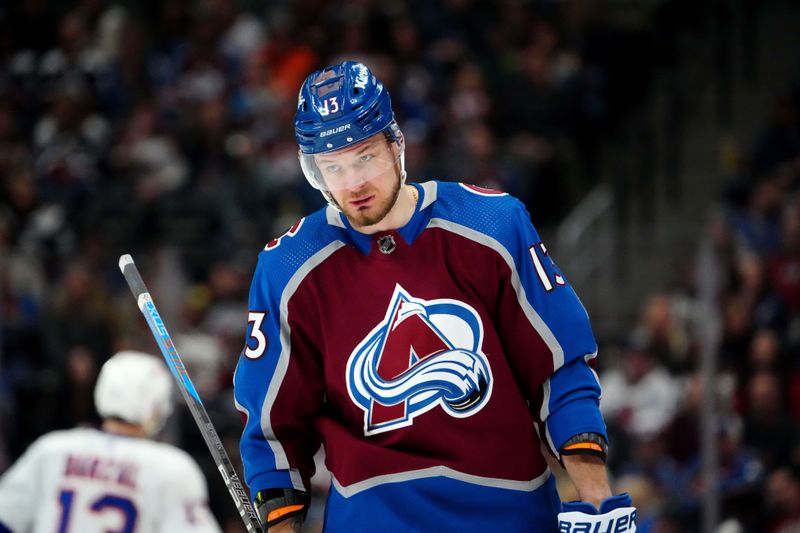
{"x": 363, "y": 179}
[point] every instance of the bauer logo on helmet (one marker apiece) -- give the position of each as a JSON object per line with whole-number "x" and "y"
{"x": 333, "y": 131}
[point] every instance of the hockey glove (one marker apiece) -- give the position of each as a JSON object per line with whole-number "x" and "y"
{"x": 616, "y": 514}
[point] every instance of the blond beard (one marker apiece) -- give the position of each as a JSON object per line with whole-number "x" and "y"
{"x": 378, "y": 213}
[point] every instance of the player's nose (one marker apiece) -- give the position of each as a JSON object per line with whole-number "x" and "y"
{"x": 355, "y": 177}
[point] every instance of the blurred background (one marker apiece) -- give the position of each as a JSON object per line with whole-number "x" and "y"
{"x": 655, "y": 142}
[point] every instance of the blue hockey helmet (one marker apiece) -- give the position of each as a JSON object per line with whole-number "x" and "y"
{"x": 338, "y": 107}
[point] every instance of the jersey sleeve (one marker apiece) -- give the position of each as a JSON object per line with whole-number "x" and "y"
{"x": 278, "y": 386}
{"x": 185, "y": 500}
{"x": 547, "y": 333}
{"x": 20, "y": 491}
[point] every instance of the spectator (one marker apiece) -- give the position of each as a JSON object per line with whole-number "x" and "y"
{"x": 740, "y": 473}
{"x": 758, "y": 226}
{"x": 641, "y": 397}
{"x": 80, "y": 315}
{"x": 767, "y": 426}
{"x": 783, "y": 500}
{"x": 665, "y": 337}
{"x": 784, "y": 266}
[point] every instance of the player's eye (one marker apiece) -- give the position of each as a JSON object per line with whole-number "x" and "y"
{"x": 332, "y": 169}
{"x": 365, "y": 158}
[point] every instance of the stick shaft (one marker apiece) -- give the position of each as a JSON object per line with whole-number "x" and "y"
{"x": 201, "y": 418}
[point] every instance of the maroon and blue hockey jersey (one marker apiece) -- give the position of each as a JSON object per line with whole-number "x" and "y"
{"x": 433, "y": 362}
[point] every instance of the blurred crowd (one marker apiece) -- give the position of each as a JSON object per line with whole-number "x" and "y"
{"x": 164, "y": 129}
{"x": 748, "y": 269}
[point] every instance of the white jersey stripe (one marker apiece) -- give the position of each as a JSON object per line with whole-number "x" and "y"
{"x": 442, "y": 471}
{"x": 333, "y": 216}
{"x": 430, "y": 189}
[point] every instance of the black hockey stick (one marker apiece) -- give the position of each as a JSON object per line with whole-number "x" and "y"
{"x": 170, "y": 353}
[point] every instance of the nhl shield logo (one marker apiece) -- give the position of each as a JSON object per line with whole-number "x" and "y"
{"x": 386, "y": 244}
{"x": 423, "y": 355}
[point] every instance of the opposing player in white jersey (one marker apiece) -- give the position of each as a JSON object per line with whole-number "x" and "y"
{"x": 115, "y": 480}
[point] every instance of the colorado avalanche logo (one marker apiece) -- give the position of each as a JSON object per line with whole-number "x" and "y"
{"x": 423, "y": 354}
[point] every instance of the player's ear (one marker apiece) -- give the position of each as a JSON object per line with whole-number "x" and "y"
{"x": 399, "y": 144}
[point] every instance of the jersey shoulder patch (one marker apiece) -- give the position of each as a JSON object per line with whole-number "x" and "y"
{"x": 285, "y": 255}
{"x": 487, "y": 211}
{"x": 285, "y": 261}
{"x": 311, "y": 228}
{"x": 291, "y": 232}
{"x": 482, "y": 191}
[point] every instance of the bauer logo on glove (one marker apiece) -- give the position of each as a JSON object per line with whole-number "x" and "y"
{"x": 616, "y": 515}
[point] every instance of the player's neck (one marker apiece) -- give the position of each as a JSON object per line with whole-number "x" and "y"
{"x": 398, "y": 216}
{"x": 119, "y": 427}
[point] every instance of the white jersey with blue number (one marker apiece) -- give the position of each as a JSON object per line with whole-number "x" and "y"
{"x": 86, "y": 481}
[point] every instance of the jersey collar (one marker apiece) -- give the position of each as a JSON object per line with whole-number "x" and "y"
{"x": 409, "y": 232}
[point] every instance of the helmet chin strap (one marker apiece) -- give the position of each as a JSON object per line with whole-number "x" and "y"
{"x": 331, "y": 202}
{"x": 403, "y": 173}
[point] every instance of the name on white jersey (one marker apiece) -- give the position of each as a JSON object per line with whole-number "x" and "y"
{"x": 122, "y": 473}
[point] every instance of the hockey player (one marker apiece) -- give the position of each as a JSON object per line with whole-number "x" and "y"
{"x": 116, "y": 479}
{"x": 421, "y": 333}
